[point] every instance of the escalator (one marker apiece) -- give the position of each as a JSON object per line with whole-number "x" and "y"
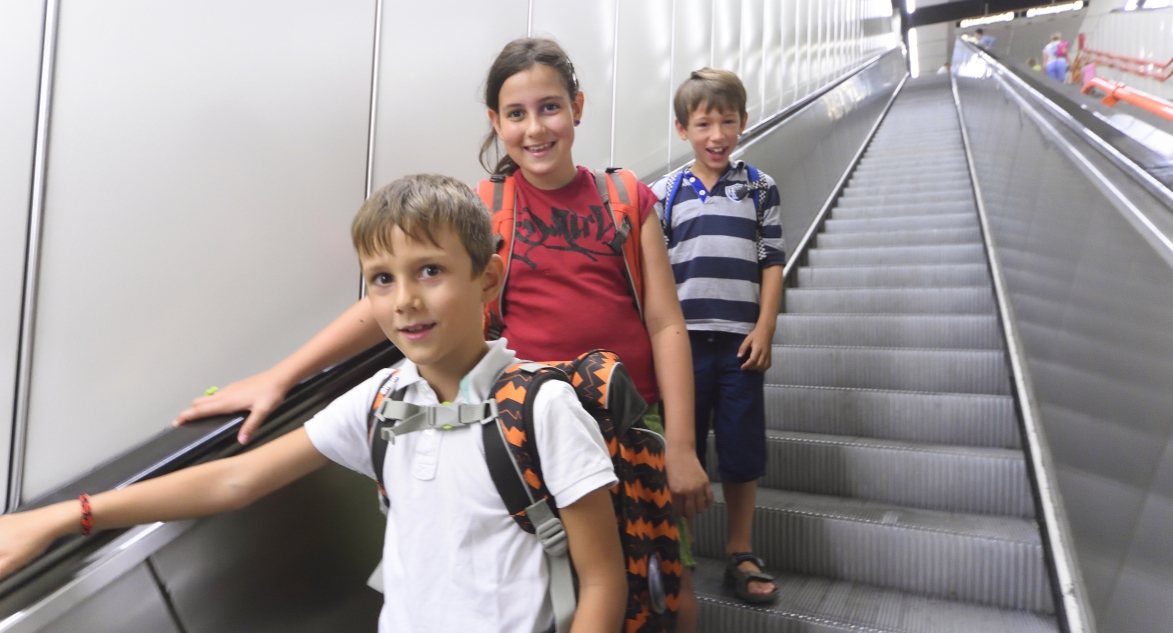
{"x": 897, "y": 496}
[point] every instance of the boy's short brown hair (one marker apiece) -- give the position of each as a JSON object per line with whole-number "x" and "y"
{"x": 420, "y": 205}
{"x": 714, "y": 88}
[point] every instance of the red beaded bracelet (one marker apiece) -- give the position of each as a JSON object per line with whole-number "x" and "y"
{"x": 87, "y": 517}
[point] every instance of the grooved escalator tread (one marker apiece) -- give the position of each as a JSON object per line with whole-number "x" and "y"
{"x": 974, "y": 480}
{"x": 894, "y": 276}
{"x": 941, "y": 331}
{"x": 932, "y": 370}
{"x": 971, "y": 300}
{"x": 995, "y": 561}
{"x": 810, "y": 604}
{"x": 941, "y": 418}
{"x": 919, "y": 209}
{"x": 896, "y": 255}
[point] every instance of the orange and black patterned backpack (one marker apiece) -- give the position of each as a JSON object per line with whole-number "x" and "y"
{"x": 643, "y": 506}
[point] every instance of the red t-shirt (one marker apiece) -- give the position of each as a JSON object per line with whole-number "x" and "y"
{"x": 566, "y": 293}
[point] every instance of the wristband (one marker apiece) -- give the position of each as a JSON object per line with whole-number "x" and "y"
{"x": 87, "y": 517}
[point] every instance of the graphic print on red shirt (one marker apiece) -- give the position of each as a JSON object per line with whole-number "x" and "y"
{"x": 566, "y": 292}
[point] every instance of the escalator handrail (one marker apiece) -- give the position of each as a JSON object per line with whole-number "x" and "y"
{"x": 175, "y": 449}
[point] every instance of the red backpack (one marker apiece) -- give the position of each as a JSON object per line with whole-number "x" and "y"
{"x": 1061, "y": 49}
{"x": 642, "y": 501}
{"x": 499, "y": 194}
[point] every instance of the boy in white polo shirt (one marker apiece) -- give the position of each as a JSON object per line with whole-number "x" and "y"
{"x": 453, "y": 558}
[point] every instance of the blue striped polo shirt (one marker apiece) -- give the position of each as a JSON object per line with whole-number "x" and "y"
{"x": 714, "y": 250}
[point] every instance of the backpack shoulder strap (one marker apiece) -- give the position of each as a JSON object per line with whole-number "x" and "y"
{"x": 619, "y": 190}
{"x": 669, "y": 200}
{"x": 375, "y": 438}
{"x": 499, "y": 194}
{"x": 754, "y": 176}
{"x": 516, "y": 469}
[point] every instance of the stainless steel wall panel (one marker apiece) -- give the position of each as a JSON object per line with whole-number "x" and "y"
{"x": 294, "y": 562}
{"x": 790, "y": 52}
{"x": 130, "y": 603}
{"x": 587, "y": 33}
{"x": 20, "y": 55}
{"x": 1093, "y": 299}
{"x": 803, "y": 26}
{"x": 727, "y": 35}
{"x": 773, "y": 61}
{"x": 197, "y": 208}
{"x": 431, "y": 114}
{"x": 643, "y": 86}
{"x": 751, "y": 72}
{"x": 692, "y": 48}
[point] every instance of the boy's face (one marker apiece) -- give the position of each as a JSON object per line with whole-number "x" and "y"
{"x": 427, "y": 301}
{"x": 713, "y": 135}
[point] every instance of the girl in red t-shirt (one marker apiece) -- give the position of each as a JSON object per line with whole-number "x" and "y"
{"x": 566, "y": 292}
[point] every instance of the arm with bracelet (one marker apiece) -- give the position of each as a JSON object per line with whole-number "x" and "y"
{"x": 206, "y": 489}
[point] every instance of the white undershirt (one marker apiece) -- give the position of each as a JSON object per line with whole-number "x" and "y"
{"x": 453, "y": 558}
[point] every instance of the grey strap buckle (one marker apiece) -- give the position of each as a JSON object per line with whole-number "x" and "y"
{"x": 548, "y": 528}
{"x": 552, "y": 535}
{"x": 437, "y": 417}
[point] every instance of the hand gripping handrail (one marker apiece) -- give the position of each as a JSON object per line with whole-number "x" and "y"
{"x": 1134, "y": 65}
{"x": 1119, "y": 92}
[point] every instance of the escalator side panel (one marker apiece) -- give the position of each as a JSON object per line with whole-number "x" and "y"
{"x": 1088, "y": 273}
{"x": 295, "y": 561}
{"x": 130, "y": 603}
{"x": 808, "y": 153}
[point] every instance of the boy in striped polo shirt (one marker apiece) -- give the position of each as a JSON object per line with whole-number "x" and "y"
{"x": 724, "y": 232}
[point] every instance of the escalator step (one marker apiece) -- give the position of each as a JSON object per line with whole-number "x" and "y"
{"x": 952, "y": 331}
{"x": 993, "y": 561}
{"x": 918, "y": 209}
{"x": 873, "y": 195}
{"x": 929, "y": 370}
{"x": 904, "y": 276}
{"x": 957, "y": 419}
{"x": 911, "y": 222}
{"x": 904, "y": 254}
{"x": 955, "y": 185}
{"x": 909, "y": 237}
{"x": 901, "y": 199}
{"x": 890, "y": 300}
{"x": 974, "y": 480}
{"x": 808, "y": 604}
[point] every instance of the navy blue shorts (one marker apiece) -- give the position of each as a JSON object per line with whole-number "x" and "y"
{"x": 735, "y": 401}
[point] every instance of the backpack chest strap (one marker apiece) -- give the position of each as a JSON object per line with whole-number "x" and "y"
{"x": 414, "y": 417}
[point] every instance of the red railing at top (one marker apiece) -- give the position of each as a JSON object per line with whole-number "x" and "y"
{"x": 1136, "y": 66}
{"x": 1119, "y": 92}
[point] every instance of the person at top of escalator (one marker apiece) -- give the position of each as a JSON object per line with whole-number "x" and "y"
{"x": 455, "y": 558}
{"x": 983, "y": 40}
{"x": 1055, "y": 58}
{"x": 724, "y": 230}
{"x": 569, "y": 288}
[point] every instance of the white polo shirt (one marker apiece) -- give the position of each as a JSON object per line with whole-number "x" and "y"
{"x": 453, "y": 558}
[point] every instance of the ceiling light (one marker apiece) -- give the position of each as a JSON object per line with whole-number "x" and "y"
{"x": 988, "y": 19}
{"x": 1054, "y": 8}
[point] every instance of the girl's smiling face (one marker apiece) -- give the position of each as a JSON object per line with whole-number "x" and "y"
{"x": 535, "y": 122}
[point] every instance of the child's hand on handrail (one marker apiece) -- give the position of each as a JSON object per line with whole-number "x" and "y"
{"x": 25, "y": 535}
{"x": 259, "y": 395}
